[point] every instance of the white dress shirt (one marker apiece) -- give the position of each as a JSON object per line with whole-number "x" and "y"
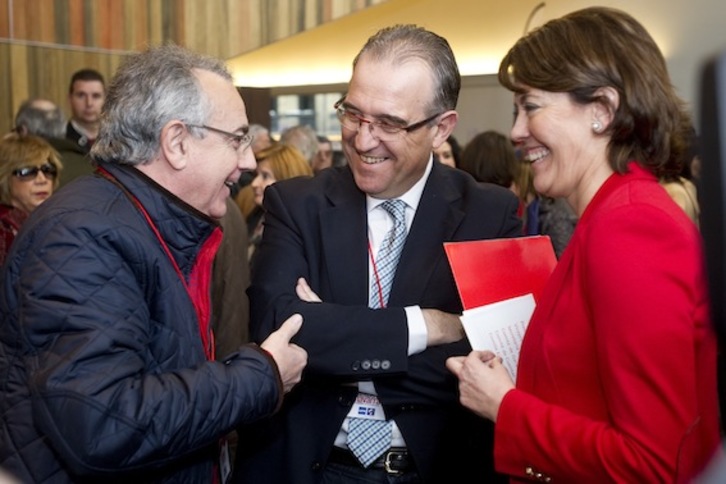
{"x": 379, "y": 223}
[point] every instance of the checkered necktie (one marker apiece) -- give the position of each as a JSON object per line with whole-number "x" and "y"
{"x": 389, "y": 252}
{"x": 368, "y": 438}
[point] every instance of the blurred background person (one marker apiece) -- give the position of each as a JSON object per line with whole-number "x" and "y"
{"x": 324, "y": 157}
{"x": 684, "y": 193}
{"x": 681, "y": 186}
{"x": 276, "y": 163}
{"x": 242, "y": 191}
{"x": 489, "y": 157}
{"x": 245, "y": 198}
{"x": 302, "y": 137}
{"x": 43, "y": 118}
{"x": 29, "y": 173}
{"x": 40, "y": 117}
{"x": 86, "y": 94}
{"x": 616, "y": 377}
{"x": 692, "y": 170}
{"x": 260, "y": 138}
{"x": 553, "y": 217}
{"x": 230, "y": 280}
{"x": 449, "y": 153}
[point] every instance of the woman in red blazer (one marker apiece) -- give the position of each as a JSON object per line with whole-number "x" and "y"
{"x": 617, "y": 372}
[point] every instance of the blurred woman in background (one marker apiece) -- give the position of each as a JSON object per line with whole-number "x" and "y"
{"x": 29, "y": 173}
{"x": 276, "y": 163}
{"x": 449, "y": 153}
{"x": 489, "y": 157}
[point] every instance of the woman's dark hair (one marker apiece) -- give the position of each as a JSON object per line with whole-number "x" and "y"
{"x": 489, "y": 157}
{"x": 595, "y": 48}
{"x": 455, "y": 150}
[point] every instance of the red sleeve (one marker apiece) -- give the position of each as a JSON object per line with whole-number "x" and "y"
{"x": 7, "y": 235}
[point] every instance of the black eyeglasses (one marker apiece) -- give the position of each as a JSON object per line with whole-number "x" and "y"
{"x": 28, "y": 173}
{"x": 239, "y": 141}
{"x": 381, "y": 129}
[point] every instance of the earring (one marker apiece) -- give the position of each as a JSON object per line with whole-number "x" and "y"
{"x": 596, "y": 127}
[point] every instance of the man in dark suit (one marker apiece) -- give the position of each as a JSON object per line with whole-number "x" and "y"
{"x": 382, "y": 360}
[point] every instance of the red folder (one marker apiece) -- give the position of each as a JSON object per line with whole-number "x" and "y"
{"x": 488, "y": 271}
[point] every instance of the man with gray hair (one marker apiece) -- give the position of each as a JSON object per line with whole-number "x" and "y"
{"x": 261, "y": 136}
{"x": 44, "y": 118}
{"x": 303, "y": 138}
{"x": 106, "y": 353}
{"x": 40, "y": 117}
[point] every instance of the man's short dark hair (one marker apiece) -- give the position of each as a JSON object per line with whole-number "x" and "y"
{"x": 86, "y": 75}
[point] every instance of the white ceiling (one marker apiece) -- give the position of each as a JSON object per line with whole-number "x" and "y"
{"x": 479, "y": 31}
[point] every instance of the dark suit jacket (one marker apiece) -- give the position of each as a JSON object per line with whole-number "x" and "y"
{"x": 79, "y": 139}
{"x": 76, "y": 160}
{"x": 317, "y": 228}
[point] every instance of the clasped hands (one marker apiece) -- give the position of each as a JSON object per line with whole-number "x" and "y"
{"x": 483, "y": 379}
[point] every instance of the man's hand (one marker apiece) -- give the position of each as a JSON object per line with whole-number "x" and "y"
{"x": 442, "y": 327}
{"x": 290, "y": 358}
{"x": 303, "y": 291}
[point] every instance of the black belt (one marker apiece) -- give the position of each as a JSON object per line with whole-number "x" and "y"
{"x": 394, "y": 461}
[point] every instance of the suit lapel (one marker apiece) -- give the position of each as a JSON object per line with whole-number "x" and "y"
{"x": 344, "y": 236}
{"x": 437, "y": 218}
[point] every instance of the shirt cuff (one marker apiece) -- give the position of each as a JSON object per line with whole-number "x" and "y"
{"x": 417, "y": 334}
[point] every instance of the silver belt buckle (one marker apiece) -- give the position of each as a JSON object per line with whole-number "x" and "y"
{"x": 387, "y": 463}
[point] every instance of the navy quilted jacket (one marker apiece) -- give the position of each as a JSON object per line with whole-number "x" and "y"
{"x": 103, "y": 376}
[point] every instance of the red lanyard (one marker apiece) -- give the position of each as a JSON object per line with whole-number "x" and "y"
{"x": 379, "y": 289}
{"x": 199, "y": 290}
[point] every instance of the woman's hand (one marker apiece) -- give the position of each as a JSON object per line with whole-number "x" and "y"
{"x": 483, "y": 382}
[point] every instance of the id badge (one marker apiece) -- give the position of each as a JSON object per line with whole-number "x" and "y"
{"x": 367, "y": 407}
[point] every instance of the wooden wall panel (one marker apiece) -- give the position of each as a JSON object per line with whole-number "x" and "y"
{"x": 261, "y": 26}
{"x": 74, "y": 15}
{"x": 93, "y": 22}
{"x": 258, "y": 102}
{"x": 19, "y": 19}
{"x": 311, "y": 12}
{"x": 155, "y": 23}
{"x": 4, "y": 24}
{"x": 116, "y": 25}
{"x": 132, "y": 39}
{"x": 6, "y": 111}
{"x": 47, "y": 40}
{"x": 19, "y": 88}
{"x": 43, "y": 25}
